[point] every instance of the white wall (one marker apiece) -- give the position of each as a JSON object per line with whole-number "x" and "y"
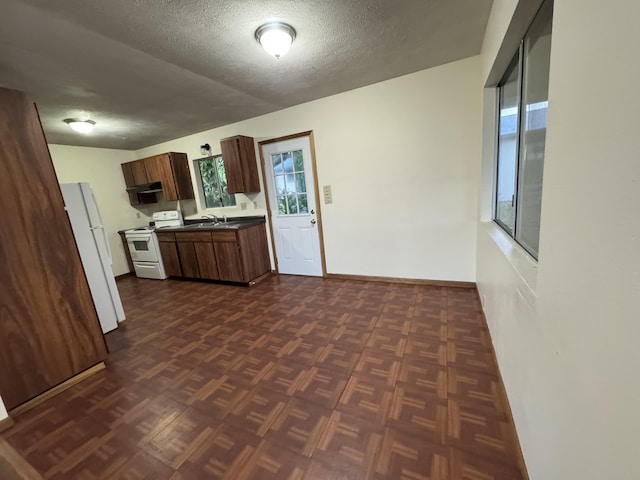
{"x": 566, "y": 330}
{"x": 402, "y": 158}
{"x": 101, "y": 168}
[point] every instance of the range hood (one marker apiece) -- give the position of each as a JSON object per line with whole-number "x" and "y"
{"x": 152, "y": 187}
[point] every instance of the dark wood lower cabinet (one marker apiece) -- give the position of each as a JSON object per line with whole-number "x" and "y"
{"x": 188, "y": 259}
{"x": 230, "y": 255}
{"x": 169, "y": 253}
{"x": 206, "y": 258}
{"x": 229, "y": 262}
{"x": 49, "y": 329}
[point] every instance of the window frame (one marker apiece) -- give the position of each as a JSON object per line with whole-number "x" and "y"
{"x": 200, "y": 183}
{"x": 518, "y": 62}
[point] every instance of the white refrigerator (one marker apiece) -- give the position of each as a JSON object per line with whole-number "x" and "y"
{"x": 95, "y": 253}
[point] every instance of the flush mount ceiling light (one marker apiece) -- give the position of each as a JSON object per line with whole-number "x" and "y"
{"x": 276, "y": 38}
{"x": 80, "y": 126}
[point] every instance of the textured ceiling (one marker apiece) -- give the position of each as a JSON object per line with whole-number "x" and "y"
{"x": 148, "y": 71}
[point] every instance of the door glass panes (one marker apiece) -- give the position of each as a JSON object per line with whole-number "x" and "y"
{"x": 290, "y": 183}
{"x": 214, "y": 182}
{"x": 507, "y": 149}
{"x": 537, "y": 55}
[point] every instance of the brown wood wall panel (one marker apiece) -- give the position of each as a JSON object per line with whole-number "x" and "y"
{"x": 49, "y": 329}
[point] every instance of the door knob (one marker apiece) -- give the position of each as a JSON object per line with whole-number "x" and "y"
{"x": 313, "y": 221}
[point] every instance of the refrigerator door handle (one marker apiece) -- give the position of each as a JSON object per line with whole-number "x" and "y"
{"x": 106, "y": 241}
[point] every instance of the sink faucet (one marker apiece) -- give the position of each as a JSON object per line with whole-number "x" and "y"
{"x": 212, "y": 217}
{"x": 225, "y": 219}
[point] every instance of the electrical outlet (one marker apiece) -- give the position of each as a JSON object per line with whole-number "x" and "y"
{"x": 326, "y": 192}
{"x": 138, "y": 215}
{"x": 243, "y": 205}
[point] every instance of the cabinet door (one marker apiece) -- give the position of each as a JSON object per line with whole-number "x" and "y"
{"x": 229, "y": 262}
{"x": 170, "y": 259}
{"x": 139, "y": 173}
{"x": 129, "y": 181}
{"x": 181, "y": 175}
{"x": 159, "y": 170}
{"x": 49, "y": 330}
{"x": 206, "y": 257}
{"x": 239, "y": 156}
{"x": 254, "y": 251}
{"x": 188, "y": 259}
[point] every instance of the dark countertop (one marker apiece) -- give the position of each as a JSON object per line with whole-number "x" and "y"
{"x": 233, "y": 223}
{"x": 208, "y": 225}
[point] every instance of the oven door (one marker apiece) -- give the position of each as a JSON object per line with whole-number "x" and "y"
{"x": 142, "y": 247}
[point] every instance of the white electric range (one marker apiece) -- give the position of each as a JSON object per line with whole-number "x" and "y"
{"x": 145, "y": 248}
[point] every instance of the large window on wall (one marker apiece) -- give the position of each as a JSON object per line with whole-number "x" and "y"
{"x": 523, "y": 100}
{"x": 213, "y": 182}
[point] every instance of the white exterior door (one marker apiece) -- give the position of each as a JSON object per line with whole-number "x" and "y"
{"x": 292, "y": 201}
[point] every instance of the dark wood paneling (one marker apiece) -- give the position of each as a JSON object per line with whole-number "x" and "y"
{"x": 188, "y": 259}
{"x": 254, "y": 251}
{"x": 166, "y": 236}
{"x": 49, "y": 329}
{"x": 229, "y": 262}
{"x": 182, "y": 175}
{"x": 187, "y": 236}
{"x": 206, "y": 257}
{"x": 239, "y": 156}
{"x": 225, "y": 236}
{"x": 170, "y": 259}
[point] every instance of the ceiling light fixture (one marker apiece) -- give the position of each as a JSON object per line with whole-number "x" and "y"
{"x": 276, "y": 38}
{"x": 80, "y": 126}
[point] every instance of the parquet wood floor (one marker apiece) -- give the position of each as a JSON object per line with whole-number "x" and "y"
{"x": 295, "y": 378}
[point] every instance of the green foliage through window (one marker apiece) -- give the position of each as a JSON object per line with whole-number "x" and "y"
{"x": 214, "y": 182}
{"x": 291, "y": 186}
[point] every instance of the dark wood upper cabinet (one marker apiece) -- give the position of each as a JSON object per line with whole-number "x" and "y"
{"x": 49, "y": 330}
{"x": 139, "y": 172}
{"x": 239, "y": 156}
{"x": 171, "y": 169}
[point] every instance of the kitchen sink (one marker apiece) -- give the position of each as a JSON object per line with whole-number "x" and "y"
{"x": 213, "y": 225}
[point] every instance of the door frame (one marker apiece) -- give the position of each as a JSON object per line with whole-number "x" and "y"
{"x": 308, "y": 133}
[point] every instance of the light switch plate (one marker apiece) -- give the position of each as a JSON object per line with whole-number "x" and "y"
{"x": 326, "y": 192}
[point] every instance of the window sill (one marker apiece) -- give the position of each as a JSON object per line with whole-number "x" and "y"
{"x": 524, "y": 264}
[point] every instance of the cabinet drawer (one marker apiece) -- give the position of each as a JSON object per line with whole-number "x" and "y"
{"x": 224, "y": 236}
{"x": 193, "y": 236}
{"x": 166, "y": 236}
